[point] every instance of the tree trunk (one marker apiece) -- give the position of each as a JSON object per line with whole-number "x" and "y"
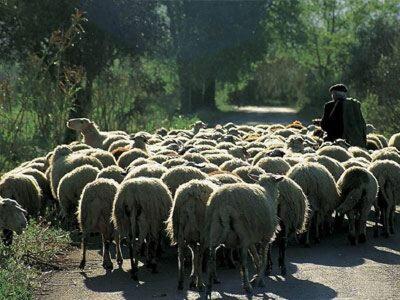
{"x": 80, "y": 107}
{"x": 185, "y": 99}
{"x": 197, "y": 97}
{"x": 209, "y": 93}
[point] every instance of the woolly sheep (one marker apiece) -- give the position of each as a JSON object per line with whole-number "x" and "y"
{"x": 94, "y": 215}
{"x": 394, "y": 141}
{"x": 12, "y": 218}
{"x": 335, "y": 152}
{"x": 129, "y": 156}
{"x": 185, "y": 226}
{"x": 357, "y": 189}
{"x": 354, "y": 162}
{"x": 320, "y": 188}
{"x": 221, "y": 178}
{"x": 176, "y": 176}
{"x": 173, "y": 162}
{"x": 64, "y": 161}
{"x": 274, "y": 165}
{"x": 119, "y": 144}
{"x": 148, "y": 170}
{"x": 113, "y": 172}
{"x": 358, "y": 152}
{"x": 332, "y": 165}
{"x": 219, "y": 159}
{"x": 241, "y": 216}
{"x": 233, "y": 164}
{"x": 24, "y": 189}
{"x": 70, "y": 190}
{"x": 388, "y": 175}
{"x": 244, "y": 172}
{"x": 386, "y": 153}
{"x": 196, "y": 158}
{"x": 106, "y": 158}
{"x": 145, "y": 203}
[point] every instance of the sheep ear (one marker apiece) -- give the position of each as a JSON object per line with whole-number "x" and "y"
{"x": 277, "y": 178}
{"x": 254, "y": 177}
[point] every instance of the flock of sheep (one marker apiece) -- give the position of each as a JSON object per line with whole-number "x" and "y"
{"x": 224, "y": 193}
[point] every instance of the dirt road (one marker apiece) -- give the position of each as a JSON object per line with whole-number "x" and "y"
{"x": 332, "y": 269}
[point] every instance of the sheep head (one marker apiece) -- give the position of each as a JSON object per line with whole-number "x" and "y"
{"x": 79, "y": 124}
{"x": 12, "y": 216}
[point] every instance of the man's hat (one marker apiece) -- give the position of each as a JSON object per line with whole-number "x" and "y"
{"x": 338, "y": 87}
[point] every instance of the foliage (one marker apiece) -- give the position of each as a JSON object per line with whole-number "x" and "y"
{"x": 34, "y": 251}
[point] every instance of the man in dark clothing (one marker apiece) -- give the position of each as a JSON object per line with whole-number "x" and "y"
{"x": 342, "y": 118}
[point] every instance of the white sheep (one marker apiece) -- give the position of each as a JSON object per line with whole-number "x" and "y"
{"x": 274, "y": 165}
{"x": 176, "y": 176}
{"x": 332, "y": 165}
{"x": 185, "y": 226}
{"x": 394, "y": 141}
{"x": 358, "y": 189}
{"x": 335, "y": 152}
{"x": 63, "y": 161}
{"x": 149, "y": 170}
{"x": 241, "y": 216}
{"x": 12, "y": 218}
{"x": 140, "y": 209}
{"x": 94, "y": 215}
{"x": 24, "y": 189}
{"x": 233, "y": 164}
{"x": 129, "y": 156}
{"x": 388, "y": 175}
{"x": 113, "y": 172}
{"x": 320, "y": 188}
{"x": 244, "y": 172}
{"x": 70, "y": 190}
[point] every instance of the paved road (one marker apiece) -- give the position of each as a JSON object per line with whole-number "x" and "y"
{"x": 332, "y": 269}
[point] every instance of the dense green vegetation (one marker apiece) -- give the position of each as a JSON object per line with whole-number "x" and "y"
{"x": 33, "y": 252}
{"x": 134, "y": 65}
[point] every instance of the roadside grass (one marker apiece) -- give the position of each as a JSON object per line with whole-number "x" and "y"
{"x": 33, "y": 252}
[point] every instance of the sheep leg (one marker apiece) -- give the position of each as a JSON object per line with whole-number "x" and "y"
{"x": 268, "y": 269}
{"x": 255, "y": 257}
{"x": 83, "y": 247}
{"x": 376, "y": 229}
{"x": 282, "y": 240}
{"x": 7, "y": 237}
{"x": 317, "y": 222}
{"x": 132, "y": 257}
{"x": 195, "y": 276}
{"x": 245, "y": 271}
{"x": 352, "y": 228}
{"x": 309, "y": 226}
{"x": 181, "y": 265}
{"x": 362, "y": 236}
{"x": 153, "y": 245}
{"x": 118, "y": 251}
{"x": 391, "y": 219}
{"x": 200, "y": 284}
{"x": 210, "y": 270}
{"x": 386, "y": 216}
{"x": 259, "y": 278}
{"x": 107, "y": 264}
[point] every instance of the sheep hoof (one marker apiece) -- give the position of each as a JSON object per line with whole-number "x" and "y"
{"x": 108, "y": 265}
{"x": 352, "y": 240}
{"x": 208, "y": 292}
{"x": 180, "y": 285}
{"x": 216, "y": 280}
{"x": 248, "y": 288}
{"x": 200, "y": 287}
{"x": 362, "y": 238}
{"x": 120, "y": 262}
{"x": 82, "y": 265}
{"x": 134, "y": 276}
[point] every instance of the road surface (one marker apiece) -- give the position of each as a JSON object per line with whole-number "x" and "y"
{"x": 331, "y": 269}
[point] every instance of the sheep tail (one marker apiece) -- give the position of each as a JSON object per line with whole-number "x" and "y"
{"x": 351, "y": 200}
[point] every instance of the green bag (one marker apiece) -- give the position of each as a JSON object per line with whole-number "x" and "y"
{"x": 354, "y": 126}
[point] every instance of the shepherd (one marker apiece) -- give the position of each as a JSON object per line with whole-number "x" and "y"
{"x": 343, "y": 119}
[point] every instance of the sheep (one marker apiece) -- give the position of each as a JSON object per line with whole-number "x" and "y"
{"x": 292, "y": 210}
{"x": 335, "y": 152}
{"x": 243, "y": 172}
{"x": 91, "y": 134}
{"x": 112, "y": 172}
{"x": 79, "y": 146}
{"x": 196, "y": 158}
{"x": 129, "y": 156}
{"x": 140, "y": 162}
{"x": 320, "y": 188}
{"x": 105, "y": 157}
{"x": 240, "y": 216}
{"x": 12, "y": 218}
{"x": 113, "y": 140}
{"x": 354, "y": 162}
{"x": 386, "y": 153}
{"x": 275, "y": 165}
{"x": 358, "y": 189}
{"x": 388, "y": 175}
{"x": 140, "y": 209}
{"x": 185, "y": 226}
{"x": 332, "y": 165}
{"x": 233, "y": 164}
{"x": 176, "y": 176}
{"x": 24, "y": 189}
{"x": 394, "y": 141}
{"x": 63, "y": 161}
{"x": 359, "y": 152}
{"x": 149, "y": 170}
{"x": 173, "y": 162}
{"x": 219, "y": 159}
{"x": 119, "y": 144}
{"x": 94, "y": 215}
{"x": 70, "y": 190}
{"x": 221, "y": 178}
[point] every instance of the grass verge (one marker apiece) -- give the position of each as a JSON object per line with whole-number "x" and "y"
{"x": 33, "y": 252}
